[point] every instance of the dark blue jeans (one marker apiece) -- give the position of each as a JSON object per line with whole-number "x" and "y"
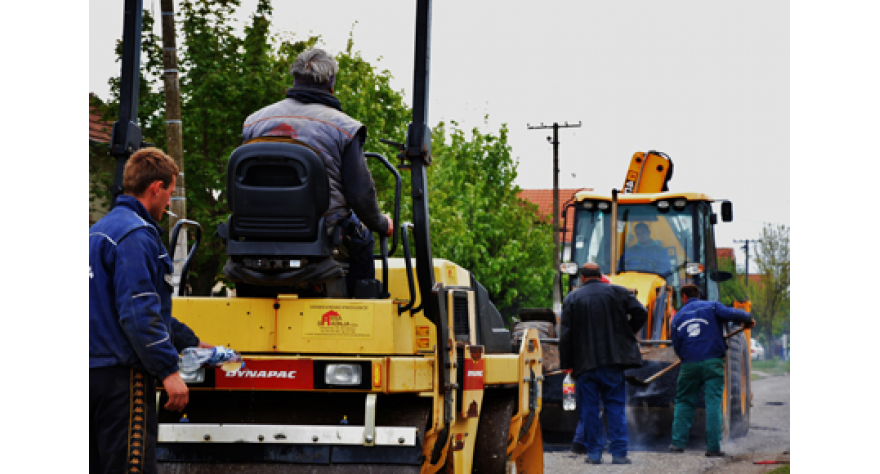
{"x": 603, "y": 386}
{"x": 359, "y": 242}
{"x": 579, "y": 430}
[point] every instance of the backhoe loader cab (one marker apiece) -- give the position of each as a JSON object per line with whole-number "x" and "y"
{"x": 666, "y": 234}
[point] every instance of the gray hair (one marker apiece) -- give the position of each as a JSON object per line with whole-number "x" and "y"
{"x": 315, "y": 66}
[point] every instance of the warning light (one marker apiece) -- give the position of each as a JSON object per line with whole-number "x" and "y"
{"x": 377, "y": 374}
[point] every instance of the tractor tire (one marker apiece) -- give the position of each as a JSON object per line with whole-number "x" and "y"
{"x": 490, "y": 451}
{"x": 739, "y": 386}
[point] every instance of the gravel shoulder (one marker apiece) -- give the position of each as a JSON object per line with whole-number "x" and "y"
{"x": 768, "y": 440}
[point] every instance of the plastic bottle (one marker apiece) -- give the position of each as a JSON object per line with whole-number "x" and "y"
{"x": 568, "y": 393}
{"x": 192, "y": 358}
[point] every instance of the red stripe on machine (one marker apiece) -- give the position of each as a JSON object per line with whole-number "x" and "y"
{"x": 269, "y": 375}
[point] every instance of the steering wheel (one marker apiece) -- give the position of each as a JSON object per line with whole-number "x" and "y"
{"x": 642, "y": 263}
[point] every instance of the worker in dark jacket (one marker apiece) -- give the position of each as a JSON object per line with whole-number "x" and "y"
{"x": 133, "y": 339}
{"x": 311, "y": 114}
{"x": 698, "y": 340}
{"x": 597, "y": 343}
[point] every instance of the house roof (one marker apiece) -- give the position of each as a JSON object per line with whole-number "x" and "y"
{"x": 544, "y": 200}
{"x": 726, "y": 252}
{"x": 99, "y": 130}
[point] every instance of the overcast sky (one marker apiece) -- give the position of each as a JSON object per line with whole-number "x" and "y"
{"x": 705, "y": 82}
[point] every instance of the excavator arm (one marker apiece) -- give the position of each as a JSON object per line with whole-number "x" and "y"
{"x": 648, "y": 173}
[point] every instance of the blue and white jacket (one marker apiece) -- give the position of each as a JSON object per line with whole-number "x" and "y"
{"x": 130, "y": 322}
{"x": 698, "y": 332}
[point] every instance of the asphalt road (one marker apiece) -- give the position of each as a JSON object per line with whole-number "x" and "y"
{"x": 768, "y": 440}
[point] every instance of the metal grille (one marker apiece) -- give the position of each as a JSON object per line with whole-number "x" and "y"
{"x": 460, "y": 315}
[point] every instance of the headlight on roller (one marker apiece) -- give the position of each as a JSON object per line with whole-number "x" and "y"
{"x": 342, "y": 374}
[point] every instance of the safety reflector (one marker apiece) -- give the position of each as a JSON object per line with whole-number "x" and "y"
{"x": 377, "y": 374}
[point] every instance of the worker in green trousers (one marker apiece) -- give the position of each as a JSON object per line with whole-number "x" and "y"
{"x": 698, "y": 340}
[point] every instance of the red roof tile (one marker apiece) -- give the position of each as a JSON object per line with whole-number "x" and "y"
{"x": 543, "y": 198}
{"x": 99, "y": 130}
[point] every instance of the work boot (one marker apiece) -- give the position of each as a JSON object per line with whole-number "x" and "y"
{"x": 714, "y": 454}
{"x": 675, "y": 449}
{"x": 621, "y": 460}
{"x": 578, "y": 448}
{"x": 593, "y": 461}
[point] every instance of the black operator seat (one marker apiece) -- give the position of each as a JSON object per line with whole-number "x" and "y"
{"x": 275, "y": 239}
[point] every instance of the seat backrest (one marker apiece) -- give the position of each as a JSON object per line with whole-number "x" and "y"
{"x": 276, "y": 192}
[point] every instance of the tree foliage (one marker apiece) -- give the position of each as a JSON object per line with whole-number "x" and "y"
{"x": 477, "y": 220}
{"x": 774, "y": 264}
{"x": 734, "y": 289}
{"x": 769, "y": 293}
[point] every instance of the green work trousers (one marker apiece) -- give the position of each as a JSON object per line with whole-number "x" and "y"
{"x": 708, "y": 374}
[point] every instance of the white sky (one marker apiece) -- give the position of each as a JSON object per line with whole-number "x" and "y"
{"x": 705, "y": 82}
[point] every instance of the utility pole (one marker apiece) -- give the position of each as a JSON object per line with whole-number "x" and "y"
{"x": 554, "y": 140}
{"x": 174, "y": 133}
{"x": 746, "y": 248}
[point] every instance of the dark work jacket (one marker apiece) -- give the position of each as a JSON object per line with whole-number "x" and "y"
{"x": 315, "y": 117}
{"x": 595, "y": 331}
{"x": 697, "y": 329}
{"x": 130, "y": 322}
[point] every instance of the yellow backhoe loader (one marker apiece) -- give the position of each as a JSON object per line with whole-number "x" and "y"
{"x": 651, "y": 241}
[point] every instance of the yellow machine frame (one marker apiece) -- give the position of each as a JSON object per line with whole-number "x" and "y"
{"x": 401, "y": 350}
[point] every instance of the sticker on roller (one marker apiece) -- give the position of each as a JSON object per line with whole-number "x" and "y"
{"x": 338, "y": 321}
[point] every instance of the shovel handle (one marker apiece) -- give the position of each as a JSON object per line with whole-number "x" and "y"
{"x": 667, "y": 369}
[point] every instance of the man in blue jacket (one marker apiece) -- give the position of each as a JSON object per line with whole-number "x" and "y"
{"x": 698, "y": 340}
{"x": 133, "y": 339}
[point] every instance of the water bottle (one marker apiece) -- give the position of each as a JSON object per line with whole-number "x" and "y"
{"x": 192, "y": 358}
{"x": 568, "y": 399}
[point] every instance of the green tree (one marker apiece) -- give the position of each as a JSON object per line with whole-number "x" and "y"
{"x": 479, "y": 222}
{"x": 774, "y": 291}
{"x": 734, "y": 289}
